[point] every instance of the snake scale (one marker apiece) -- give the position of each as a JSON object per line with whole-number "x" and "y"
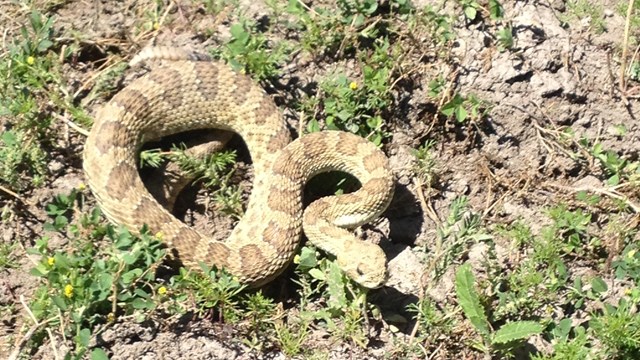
{"x": 190, "y": 93}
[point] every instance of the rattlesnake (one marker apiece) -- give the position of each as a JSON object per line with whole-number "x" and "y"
{"x": 189, "y": 93}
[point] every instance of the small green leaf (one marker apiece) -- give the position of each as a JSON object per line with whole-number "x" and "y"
{"x": 40, "y": 270}
{"x": 105, "y": 280}
{"x": 59, "y": 301}
{"x": 44, "y": 45}
{"x": 470, "y": 12}
{"x": 317, "y": 274}
{"x": 141, "y": 293}
{"x": 598, "y": 285}
{"x": 517, "y": 330}
{"x": 83, "y": 337}
{"x": 129, "y": 276}
{"x": 468, "y": 299}
{"x": 99, "y": 354}
{"x": 336, "y": 289}
{"x": 307, "y": 258}
{"x": 313, "y": 126}
{"x": 238, "y": 32}
{"x": 461, "y": 114}
{"x": 9, "y": 138}
{"x": 562, "y": 329}
{"x": 495, "y": 10}
{"x": 36, "y": 20}
{"x": 139, "y": 303}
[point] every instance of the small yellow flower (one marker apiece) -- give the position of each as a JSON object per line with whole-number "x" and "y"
{"x": 156, "y": 25}
{"x": 628, "y": 291}
{"x": 159, "y": 235}
{"x": 82, "y": 186}
{"x": 51, "y": 261}
{"x": 162, "y": 290}
{"x": 631, "y": 254}
{"x": 68, "y": 291}
{"x": 353, "y": 85}
{"x": 31, "y": 60}
{"x": 111, "y": 317}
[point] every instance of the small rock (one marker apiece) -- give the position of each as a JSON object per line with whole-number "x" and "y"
{"x": 444, "y": 287}
{"x": 477, "y": 255}
{"x": 8, "y": 235}
{"x": 55, "y": 166}
{"x": 405, "y": 271}
{"x": 588, "y": 181}
{"x": 546, "y": 85}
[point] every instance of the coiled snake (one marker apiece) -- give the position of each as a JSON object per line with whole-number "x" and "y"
{"x": 187, "y": 93}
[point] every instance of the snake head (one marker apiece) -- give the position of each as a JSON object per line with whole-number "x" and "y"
{"x": 366, "y": 264}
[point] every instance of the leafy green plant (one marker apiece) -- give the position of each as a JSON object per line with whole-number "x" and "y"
{"x": 61, "y": 209}
{"x": 519, "y": 232}
{"x": 88, "y": 285}
{"x": 259, "y": 310}
{"x": 331, "y": 30}
{"x": 578, "y": 10}
{"x": 27, "y": 69}
{"x": 211, "y": 289}
{"x": 250, "y": 52}
{"x": 425, "y": 166}
{"x": 461, "y": 228}
{"x": 568, "y": 347}
{"x": 215, "y": 7}
{"x": 469, "y": 301}
{"x": 496, "y": 11}
{"x": 8, "y": 258}
{"x": 292, "y": 334}
{"x": 628, "y": 264}
{"x": 456, "y": 105}
{"x": 348, "y": 107}
{"x": 463, "y": 108}
{"x": 21, "y": 159}
{"x": 433, "y": 322}
{"x": 595, "y": 292}
{"x": 617, "y": 168}
{"x": 356, "y": 11}
{"x": 572, "y": 226}
{"x": 321, "y": 31}
{"x": 439, "y": 26}
{"x": 470, "y": 8}
{"x": 345, "y": 303}
{"x": 618, "y": 328}
{"x": 505, "y": 38}
{"x": 153, "y": 17}
{"x": 543, "y": 269}
{"x": 357, "y": 107}
{"x": 31, "y": 91}
{"x": 214, "y": 171}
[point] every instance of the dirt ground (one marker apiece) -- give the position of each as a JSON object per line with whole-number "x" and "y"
{"x": 508, "y": 164}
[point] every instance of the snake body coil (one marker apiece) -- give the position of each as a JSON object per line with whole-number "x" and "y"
{"x": 188, "y": 95}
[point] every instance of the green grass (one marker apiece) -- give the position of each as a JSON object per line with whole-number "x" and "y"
{"x": 578, "y": 11}
{"x": 8, "y": 257}
{"x": 29, "y": 68}
{"x": 214, "y": 171}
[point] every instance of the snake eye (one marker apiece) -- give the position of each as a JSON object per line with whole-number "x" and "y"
{"x": 359, "y": 270}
